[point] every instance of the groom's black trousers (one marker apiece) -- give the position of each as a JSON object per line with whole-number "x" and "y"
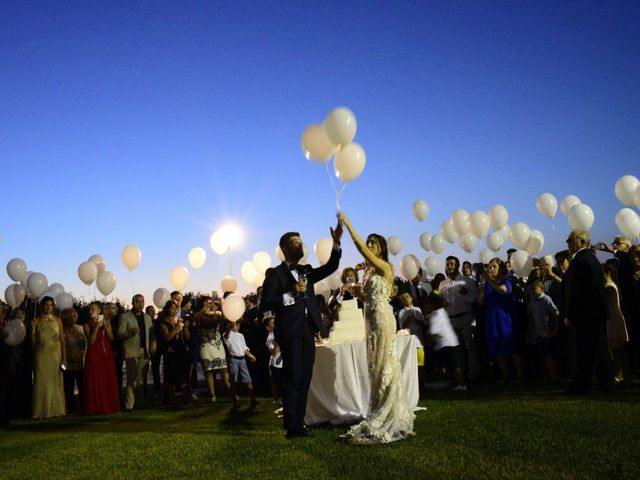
{"x": 298, "y": 355}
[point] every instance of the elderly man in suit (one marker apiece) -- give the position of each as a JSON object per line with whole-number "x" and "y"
{"x": 138, "y": 343}
{"x": 288, "y": 292}
{"x": 586, "y": 313}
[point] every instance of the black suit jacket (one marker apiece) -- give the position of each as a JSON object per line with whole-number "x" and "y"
{"x": 291, "y": 320}
{"x": 583, "y": 286}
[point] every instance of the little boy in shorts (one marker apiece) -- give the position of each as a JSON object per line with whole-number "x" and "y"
{"x": 238, "y": 371}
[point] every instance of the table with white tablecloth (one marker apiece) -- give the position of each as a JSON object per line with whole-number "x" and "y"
{"x": 340, "y": 385}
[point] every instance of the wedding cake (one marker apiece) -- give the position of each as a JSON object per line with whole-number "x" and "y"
{"x": 350, "y": 324}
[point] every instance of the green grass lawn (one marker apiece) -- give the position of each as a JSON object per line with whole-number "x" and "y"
{"x": 529, "y": 431}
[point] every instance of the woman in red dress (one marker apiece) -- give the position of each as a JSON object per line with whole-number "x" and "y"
{"x": 101, "y": 394}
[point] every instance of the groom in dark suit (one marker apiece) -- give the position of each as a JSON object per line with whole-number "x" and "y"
{"x": 288, "y": 292}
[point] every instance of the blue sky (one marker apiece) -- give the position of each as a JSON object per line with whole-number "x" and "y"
{"x": 153, "y": 123}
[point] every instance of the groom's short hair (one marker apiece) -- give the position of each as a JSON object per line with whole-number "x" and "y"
{"x": 285, "y": 238}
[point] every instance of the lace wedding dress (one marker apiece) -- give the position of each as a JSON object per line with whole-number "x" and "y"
{"x": 389, "y": 418}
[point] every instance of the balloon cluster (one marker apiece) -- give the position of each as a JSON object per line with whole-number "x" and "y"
{"x": 33, "y": 285}
{"x": 627, "y": 189}
{"x": 93, "y": 270}
{"x": 334, "y": 139}
{"x": 252, "y": 271}
{"x": 468, "y": 228}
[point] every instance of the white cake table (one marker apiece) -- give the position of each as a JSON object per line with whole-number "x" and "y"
{"x": 340, "y": 385}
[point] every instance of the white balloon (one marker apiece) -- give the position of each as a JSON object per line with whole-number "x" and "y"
{"x": 340, "y": 126}
{"x": 432, "y": 266}
{"x": 197, "y": 257}
{"x": 229, "y": 284}
{"x": 87, "y": 272}
{"x": 581, "y": 216}
{"x": 468, "y": 242}
{"x": 16, "y": 269}
{"x": 409, "y": 266}
{"x": 99, "y": 262}
{"x": 480, "y": 223}
{"x": 486, "y": 256}
{"x": 536, "y": 242}
{"x": 437, "y": 243}
{"x": 521, "y": 263}
{"x": 248, "y": 272}
{"x": 106, "y": 282}
{"x": 55, "y": 289}
{"x": 179, "y": 277}
{"x": 505, "y": 232}
{"x": 425, "y": 241}
{"x": 334, "y": 281}
{"x": 547, "y": 205}
{"x": 279, "y": 253}
{"x": 349, "y": 162}
{"x": 218, "y": 242}
{"x": 14, "y": 295}
{"x": 460, "y": 219}
{"x": 448, "y": 231}
{"x": 628, "y": 223}
{"x": 316, "y": 145}
{"x": 499, "y": 216}
{"x": 64, "y": 300}
{"x": 636, "y": 197}
{"x": 621, "y": 212}
{"x": 420, "y": 210}
{"x": 567, "y": 203}
{"x": 520, "y": 233}
{"x": 262, "y": 261}
{"x": 495, "y": 240}
{"x": 323, "y": 248}
{"x": 321, "y": 288}
{"x": 160, "y": 297}
{"x": 37, "y": 284}
{"x": 25, "y": 280}
{"x": 233, "y": 307}
{"x": 259, "y": 280}
{"x": 626, "y": 188}
{"x": 394, "y": 244}
{"x": 16, "y": 332}
{"x": 131, "y": 256}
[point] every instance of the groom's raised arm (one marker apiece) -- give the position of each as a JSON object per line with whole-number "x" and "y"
{"x": 328, "y": 268}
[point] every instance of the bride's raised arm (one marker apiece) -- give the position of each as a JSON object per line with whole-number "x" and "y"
{"x": 379, "y": 264}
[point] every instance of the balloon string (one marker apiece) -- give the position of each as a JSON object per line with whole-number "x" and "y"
{"x": 339, "y": 196}
{"x": 229, "y": 258}
{"x": 336, "y": 190}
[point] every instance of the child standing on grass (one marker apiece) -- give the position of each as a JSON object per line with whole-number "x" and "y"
{"x": 445, "y": 343}
{"x": 238, "y": 371}
{"x": 275, "y": 361}
{"x": 411, "y": 318}
{"x": 544, "y": 316}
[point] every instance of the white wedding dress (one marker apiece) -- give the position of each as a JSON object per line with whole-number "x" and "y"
{"x": 389, "y": 418}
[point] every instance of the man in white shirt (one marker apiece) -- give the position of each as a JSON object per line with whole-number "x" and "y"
{"x": 461, "y": 295}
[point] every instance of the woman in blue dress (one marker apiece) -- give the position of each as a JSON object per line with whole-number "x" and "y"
{"x": 499, "y": 304}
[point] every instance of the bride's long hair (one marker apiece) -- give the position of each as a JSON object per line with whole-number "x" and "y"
{"x": 379, "y": 239}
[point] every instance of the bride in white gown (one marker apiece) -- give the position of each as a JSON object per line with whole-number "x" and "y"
{"x": 389, "y": 417}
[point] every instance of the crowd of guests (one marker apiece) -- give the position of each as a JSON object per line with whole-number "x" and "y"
{"x": 62, "y": 367}
{"x": 570, "y": 317}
